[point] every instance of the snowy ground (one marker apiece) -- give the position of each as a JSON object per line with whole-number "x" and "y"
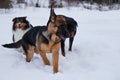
{"x": 95, "y": 55}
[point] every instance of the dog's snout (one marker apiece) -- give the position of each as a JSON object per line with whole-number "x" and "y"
{"x": 19, "y": 25}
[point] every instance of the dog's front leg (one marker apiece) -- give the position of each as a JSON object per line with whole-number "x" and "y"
{"x": 55, "y": 57}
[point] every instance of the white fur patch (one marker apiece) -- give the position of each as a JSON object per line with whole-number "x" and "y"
{"x": 18, "y": 34}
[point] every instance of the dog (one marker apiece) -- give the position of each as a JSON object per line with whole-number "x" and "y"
{"x": 44, "y": 39}
{"x": 20, "y": 27}
{"x": 71, "y": 28}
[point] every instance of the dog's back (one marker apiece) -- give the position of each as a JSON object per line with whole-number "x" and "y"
{"x": 30, "y": 36}
{"x": 71, "y": 24}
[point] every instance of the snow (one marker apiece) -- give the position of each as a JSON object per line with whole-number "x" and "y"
{"x": 96, "y": 48}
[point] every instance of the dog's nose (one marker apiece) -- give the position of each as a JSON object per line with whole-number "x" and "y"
{"x": 19, "y": 26}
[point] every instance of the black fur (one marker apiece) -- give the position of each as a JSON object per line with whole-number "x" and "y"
{"x": 28, "y": 38}
{"x": 71, "y": 27}
{"x": 13, "y": 45}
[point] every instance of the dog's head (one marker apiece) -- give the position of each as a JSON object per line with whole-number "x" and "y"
{"x": 20, "y": 23}
{"x": 57, "y": 24}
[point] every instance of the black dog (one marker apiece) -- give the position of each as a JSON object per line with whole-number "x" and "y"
{"x": 71, "y": 28}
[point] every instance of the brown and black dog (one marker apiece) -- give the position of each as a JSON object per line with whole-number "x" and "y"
{"x": 44, "y": 39}
{"x": 71, "y": 26}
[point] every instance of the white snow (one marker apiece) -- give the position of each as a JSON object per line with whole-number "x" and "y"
{"x": 96, "y": 48}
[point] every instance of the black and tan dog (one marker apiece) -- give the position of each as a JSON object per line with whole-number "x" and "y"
{"x": 71, "y": 28}
{"x": 44, "y": 39}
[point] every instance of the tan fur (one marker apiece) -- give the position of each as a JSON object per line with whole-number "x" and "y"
{"x": 16, "y": 26}
{"x": 42, "y": 48}
{"x": 53, "y": 46}
{"x": 55, "y": 57}
{"x": 52, "y": 29}
{"x": 23, "y": 26}
{"x": 60, "y": 19}
{"x": 72, "y": 34}
{"x": 30, "y": 51}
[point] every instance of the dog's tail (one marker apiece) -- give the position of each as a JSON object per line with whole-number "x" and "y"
{"x": 13, "y": 45}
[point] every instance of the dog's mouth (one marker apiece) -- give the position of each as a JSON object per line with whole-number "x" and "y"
{"x": 62, "y": 37}
{"x": 63, "y": 34}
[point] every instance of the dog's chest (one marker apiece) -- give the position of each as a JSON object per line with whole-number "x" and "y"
{"x": 18, "y": 34}
{"x": 44, "y": 47}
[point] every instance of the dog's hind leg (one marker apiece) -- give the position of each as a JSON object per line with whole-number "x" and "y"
{"x": 70, "y": 43}
{"x": 28, "y": 52}
{"x": 72, "y": 35}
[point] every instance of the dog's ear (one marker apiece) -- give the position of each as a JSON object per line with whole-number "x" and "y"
{"x": 24, "y": 17}
{"x": 52, "y": 15}
{"x": 14, "y": 19}
{"x": 52, "y": 12}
